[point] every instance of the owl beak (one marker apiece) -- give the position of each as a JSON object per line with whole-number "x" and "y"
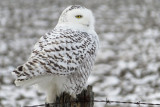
{"x": 86, "y": 25}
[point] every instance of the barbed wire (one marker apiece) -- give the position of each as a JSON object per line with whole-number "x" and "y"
{"x": 139, "y": 103}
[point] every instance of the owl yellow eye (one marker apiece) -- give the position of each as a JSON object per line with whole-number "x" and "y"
{"x": 78, "y": 16}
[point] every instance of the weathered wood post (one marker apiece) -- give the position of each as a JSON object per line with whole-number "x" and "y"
{"x": 84, "y": 99}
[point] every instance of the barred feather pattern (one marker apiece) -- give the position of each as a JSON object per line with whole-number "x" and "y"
{"x": 64, "y": 53}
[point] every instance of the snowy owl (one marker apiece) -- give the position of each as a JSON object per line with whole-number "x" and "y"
{"x": 61, "y": 61}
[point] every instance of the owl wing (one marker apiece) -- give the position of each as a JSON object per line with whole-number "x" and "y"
{"x": 60, "y": 52}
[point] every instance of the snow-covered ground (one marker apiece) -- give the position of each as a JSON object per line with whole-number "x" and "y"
{"x": 128, "y": 63}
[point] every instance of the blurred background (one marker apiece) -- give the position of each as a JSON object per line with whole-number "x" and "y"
{"x": 128, "y": 62}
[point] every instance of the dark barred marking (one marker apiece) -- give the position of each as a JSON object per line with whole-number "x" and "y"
{"x": 60, "y": 55}
{"x": 54, "y": 68}
{"x": 35, "y": 61}
{"x": 52, "y": 50}
{"x": 42, "y": 63}
{"x": 67, "y": 49}
{"x": 56, "y": 42}
{"x": 57, "y": 49}
{"x": 20, "y": 68}
{"x": 47, "y": 68}
{"x": 29, "y": 67}
{"x": 47, "y": 50}
{"x": 77, "y": 47}
{"x": 49, "y": 33}
{"x": 56, "y": 57}
{"x": 62, "y": 67}
{"x": 69, "y": 42}
{"x": 33, "y": 73}
{"x": 26, "y": 74}
{"x": 31, "y": 63}
{"x": 42, "y": 56}
{"x": 48, "y": 71}
{"x": 56, "y": 65}
{"x": 73, "y": 48}
{"x": 61, "y": 48}
{"x": 38, "y": 71}
{"x": 68, "y": 61}
{"x": 68, "y": 55}
{"x": 36, "y": 52}
{"x": 20, "y": 79}
{"x": 75, "y": 7}
{"x": 62, "y": 41}
{"x": 16, "y": 72}
{"x": 75, "y": 53}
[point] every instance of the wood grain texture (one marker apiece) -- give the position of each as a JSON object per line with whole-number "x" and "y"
{"x": 84, "y": 99}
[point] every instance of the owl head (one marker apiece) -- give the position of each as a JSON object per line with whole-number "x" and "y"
{"x": 77, "y": 15}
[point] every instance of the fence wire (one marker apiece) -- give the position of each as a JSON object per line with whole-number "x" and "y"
{"x": 139, "y": 103}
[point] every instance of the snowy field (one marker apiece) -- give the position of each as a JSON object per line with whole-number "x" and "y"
{"x": 128, "y": 63}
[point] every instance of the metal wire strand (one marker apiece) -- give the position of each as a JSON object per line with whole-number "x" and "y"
{"x": 107, "y": 102}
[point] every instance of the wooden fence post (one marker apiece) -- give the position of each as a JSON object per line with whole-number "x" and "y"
{"x": 84, "y": 99}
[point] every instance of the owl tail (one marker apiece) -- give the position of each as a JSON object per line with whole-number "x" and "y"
{"x": 20, "y": 76}
{"x": 25, "y": 83}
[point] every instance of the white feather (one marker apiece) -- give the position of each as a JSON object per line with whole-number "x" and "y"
{"x": 63, "y": 58}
